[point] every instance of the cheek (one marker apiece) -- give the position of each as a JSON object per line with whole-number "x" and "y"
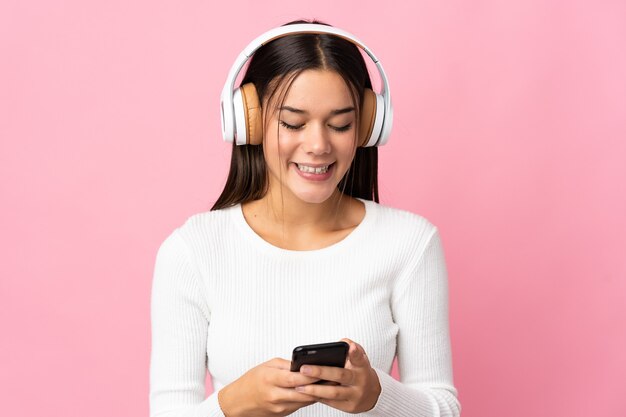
{"x": 347, "y": 152}
{"x": 275, "y": 150}
{"x": 283, "y": 145}
{"x": 270, "y": 143}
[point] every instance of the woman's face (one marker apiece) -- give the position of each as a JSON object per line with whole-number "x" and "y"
{"x": 309, "y": 148}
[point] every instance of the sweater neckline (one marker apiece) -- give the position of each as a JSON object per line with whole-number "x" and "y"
{"x": 253, "y": 238}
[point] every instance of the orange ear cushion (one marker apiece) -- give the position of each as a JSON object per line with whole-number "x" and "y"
{"x": 368, "y": 116}
{"x": 253, "y": 112}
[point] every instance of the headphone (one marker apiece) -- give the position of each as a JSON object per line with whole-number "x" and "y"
{"x": 242, "y": 117}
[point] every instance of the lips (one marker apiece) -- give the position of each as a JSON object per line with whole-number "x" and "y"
{"x": 314, "y": 172}
{"x": 313, "y": 169}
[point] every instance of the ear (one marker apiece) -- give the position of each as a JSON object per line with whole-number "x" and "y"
{"x": 253, "y": 112}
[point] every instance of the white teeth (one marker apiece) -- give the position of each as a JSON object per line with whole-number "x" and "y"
{"x": 313, "y": 170}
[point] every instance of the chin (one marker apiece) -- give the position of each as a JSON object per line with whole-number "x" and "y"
{"x": 314, "y": 198}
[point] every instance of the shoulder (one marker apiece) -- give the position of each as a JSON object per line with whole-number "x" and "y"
{"x": 208, "y": 220}
{"x": 398, "y": 234}
{"x": 401, "y": 221}
{"x": 201, "y": 229}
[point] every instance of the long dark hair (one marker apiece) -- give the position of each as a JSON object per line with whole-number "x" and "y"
{"x": 285, "y": 57}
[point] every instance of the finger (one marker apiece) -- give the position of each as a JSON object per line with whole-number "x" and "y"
{"x": 358, "y": 357}
{"x": 328, "y": 373}
{"x": 353, "y": 346}
{"x": 290, "y": 396}
{"x": 343, "y": 405}
{"x": 288, "y": 379}
{"x": 348, "y": 341}
{"x": 326, "y": 392}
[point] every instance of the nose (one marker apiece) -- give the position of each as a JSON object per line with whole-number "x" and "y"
{"x": 316, "y": 140}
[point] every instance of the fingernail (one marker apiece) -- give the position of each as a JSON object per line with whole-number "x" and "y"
{"x": 306, "y": 370}
{"x": 300, "y": 389}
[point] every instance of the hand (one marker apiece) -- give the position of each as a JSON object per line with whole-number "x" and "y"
{"x": 358, "y": 385}
{"x": 266, "y": 390}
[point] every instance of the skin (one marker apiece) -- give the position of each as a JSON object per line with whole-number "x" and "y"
{"x": 298, "y": 213}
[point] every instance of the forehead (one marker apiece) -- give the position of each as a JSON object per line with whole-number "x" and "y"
{"x": 315, "y": 91}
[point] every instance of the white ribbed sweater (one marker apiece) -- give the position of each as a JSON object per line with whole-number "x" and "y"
{"x": 224, "y": 297}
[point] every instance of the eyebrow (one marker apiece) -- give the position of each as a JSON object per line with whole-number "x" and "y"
{"x": 333, "y": 112}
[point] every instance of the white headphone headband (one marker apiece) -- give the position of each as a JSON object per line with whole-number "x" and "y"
{"x": 227, "y": 107}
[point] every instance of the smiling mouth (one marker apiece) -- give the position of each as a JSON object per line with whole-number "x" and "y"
{"x": 314, "y": 170}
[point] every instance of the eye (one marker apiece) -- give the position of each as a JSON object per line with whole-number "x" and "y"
{"x": 342, "y": 128}
{"x": 290, "y": 127}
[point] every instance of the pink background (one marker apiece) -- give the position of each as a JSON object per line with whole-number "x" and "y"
{"x": 509, "y": 136}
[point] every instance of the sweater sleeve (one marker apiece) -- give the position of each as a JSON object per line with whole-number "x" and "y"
{"x": 180, "y": 318}
{"x": 420, "y": 309}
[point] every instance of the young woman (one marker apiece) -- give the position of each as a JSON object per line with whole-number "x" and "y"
{"x": 298, "y": 251}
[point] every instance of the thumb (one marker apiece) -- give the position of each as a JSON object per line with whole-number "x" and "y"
{"x": 357, "y": 356}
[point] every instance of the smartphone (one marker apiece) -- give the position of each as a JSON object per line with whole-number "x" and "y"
{"x": 324, "y": 354}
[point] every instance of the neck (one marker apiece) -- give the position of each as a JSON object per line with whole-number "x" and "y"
{"x": 291, "y": 212}
{"x": 291, "y": 223}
